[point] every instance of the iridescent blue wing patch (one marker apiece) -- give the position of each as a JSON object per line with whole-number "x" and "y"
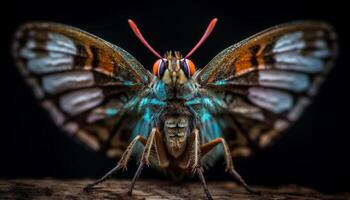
{"x": 87, "y": 85}
{"x": 266, "y": 81}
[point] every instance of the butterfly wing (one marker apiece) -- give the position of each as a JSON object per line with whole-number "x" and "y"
{"x": 87, "y": 85}
{"x": 266, "y": 81}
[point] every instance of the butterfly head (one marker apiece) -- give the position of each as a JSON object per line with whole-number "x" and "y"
{"x": 173, "y": 69}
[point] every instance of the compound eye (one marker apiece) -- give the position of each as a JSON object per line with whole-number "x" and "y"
{"x": 159, "y": 67}
{"x": 188, "y": 67}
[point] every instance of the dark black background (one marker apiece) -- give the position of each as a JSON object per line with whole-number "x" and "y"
{"x": 313, "y": 153}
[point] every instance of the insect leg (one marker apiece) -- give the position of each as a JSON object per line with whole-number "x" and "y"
{"x": 136, "y": 176}
{"x": 196, "y": 157}
{"x": 205, "y": 187}
{"x": 229, "y": 163}
{"x": 161, "y": 151}
{"x": 205, "y": 148}
{"x": 144, "y": 158}
{"x": 122, "y": 164}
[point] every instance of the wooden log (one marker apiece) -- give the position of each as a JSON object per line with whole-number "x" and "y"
{"x": 150, "y": 190}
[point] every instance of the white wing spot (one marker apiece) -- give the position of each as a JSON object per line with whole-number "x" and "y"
{"x": 60, "y": 43}
{"x": 295, "y": 61}
{"x": 68, "y": 80}
{"x": 285, "y": 80}
{"x": 81, "y": 100}
{"x": 59, "y": 56}
{"x": 273, "y": 100}
{"x": 289, "y": 42}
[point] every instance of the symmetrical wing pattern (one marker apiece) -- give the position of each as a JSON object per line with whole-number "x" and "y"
{"x": 100, "y": 94}
{"x": 267, "y": 80}
{"x": 85, "y": 83}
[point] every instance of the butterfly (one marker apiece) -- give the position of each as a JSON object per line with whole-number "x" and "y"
{"x": 178, "y": 118}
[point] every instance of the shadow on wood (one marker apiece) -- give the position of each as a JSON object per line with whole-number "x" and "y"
{"x": 149, "y": 190}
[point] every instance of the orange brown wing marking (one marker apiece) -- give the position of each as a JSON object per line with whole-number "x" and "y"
{"x": 103, "y": 56}
{"x": 250, "y": 60}
{"x": 247, "y": 61}
{"x": 241, "y": 52}
{"x": 243, "y": 67}
{"x": 90, "y": 57}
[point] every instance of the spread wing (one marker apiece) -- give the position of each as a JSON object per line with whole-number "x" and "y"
{"x": 87, "y": 85}
{"x": 266, "y": 81}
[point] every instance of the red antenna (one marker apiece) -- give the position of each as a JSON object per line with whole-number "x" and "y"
{"x": 204, "y": 37}
{"x": 141, "y": 38}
